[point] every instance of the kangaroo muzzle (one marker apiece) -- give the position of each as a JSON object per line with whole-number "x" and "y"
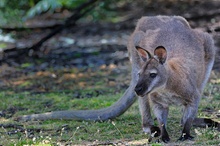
{"x": 140, "y": 90}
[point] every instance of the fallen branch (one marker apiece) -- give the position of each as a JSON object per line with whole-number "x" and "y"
{"x": 70, "y": 21}
{"x": 78, "y": 13}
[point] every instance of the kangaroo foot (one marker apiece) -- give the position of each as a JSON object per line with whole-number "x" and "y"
{"x": 155, "y": 131}
{"x": 165, "y": 139}
{"x": 185, "y": 136}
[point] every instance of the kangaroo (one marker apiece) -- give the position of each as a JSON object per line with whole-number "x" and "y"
{"x": 174, "y": 63}
{"x": 170, "y": 62}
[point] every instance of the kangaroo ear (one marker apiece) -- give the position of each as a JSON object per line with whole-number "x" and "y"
{"x": 161, "y": 53}
{"x": 144, "y": 54}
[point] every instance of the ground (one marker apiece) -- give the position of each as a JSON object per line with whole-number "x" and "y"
{"x": 89, "y": 69}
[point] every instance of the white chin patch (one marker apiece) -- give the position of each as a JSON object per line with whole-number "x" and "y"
{"x": 146, "y": 130}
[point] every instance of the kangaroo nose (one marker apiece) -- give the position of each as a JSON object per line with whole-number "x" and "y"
{"x": 138, "y": 89}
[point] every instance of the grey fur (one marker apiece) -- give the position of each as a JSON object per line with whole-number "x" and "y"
{"x": 181, "y": 79}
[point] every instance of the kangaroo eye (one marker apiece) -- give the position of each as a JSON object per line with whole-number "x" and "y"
{"x": 153, "y": 75}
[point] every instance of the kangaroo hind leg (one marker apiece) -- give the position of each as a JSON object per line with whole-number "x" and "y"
{"x": 190, "y": 111}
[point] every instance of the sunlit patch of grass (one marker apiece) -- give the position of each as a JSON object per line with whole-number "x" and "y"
{"x": 68, "y": 79}
{"x": 3, "y": 45}
{"x": 25, "y": 65}
{"x": 22, "y": 83}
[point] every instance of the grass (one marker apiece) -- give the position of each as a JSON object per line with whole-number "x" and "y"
{"x": 124, "y": 130}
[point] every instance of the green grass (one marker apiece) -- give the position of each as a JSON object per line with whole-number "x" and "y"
{"x": 124, "y": 130}
{"x": 77, "y": 131}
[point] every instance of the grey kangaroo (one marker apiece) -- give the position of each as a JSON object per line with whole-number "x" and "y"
{"x": 171, "y": 64}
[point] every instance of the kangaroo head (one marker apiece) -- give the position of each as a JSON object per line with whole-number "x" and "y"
{"x": 152, "y": 74}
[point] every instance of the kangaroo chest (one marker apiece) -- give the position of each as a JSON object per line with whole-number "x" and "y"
{"x": 166, "y": 98}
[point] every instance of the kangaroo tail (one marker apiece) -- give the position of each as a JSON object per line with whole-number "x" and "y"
{"x": 115, "y": 110}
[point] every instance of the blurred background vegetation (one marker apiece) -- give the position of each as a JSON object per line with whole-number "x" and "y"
{"x": 34, "y": 15}
{"x": 25, "y": 14}
{"x": 14, "y": 13}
